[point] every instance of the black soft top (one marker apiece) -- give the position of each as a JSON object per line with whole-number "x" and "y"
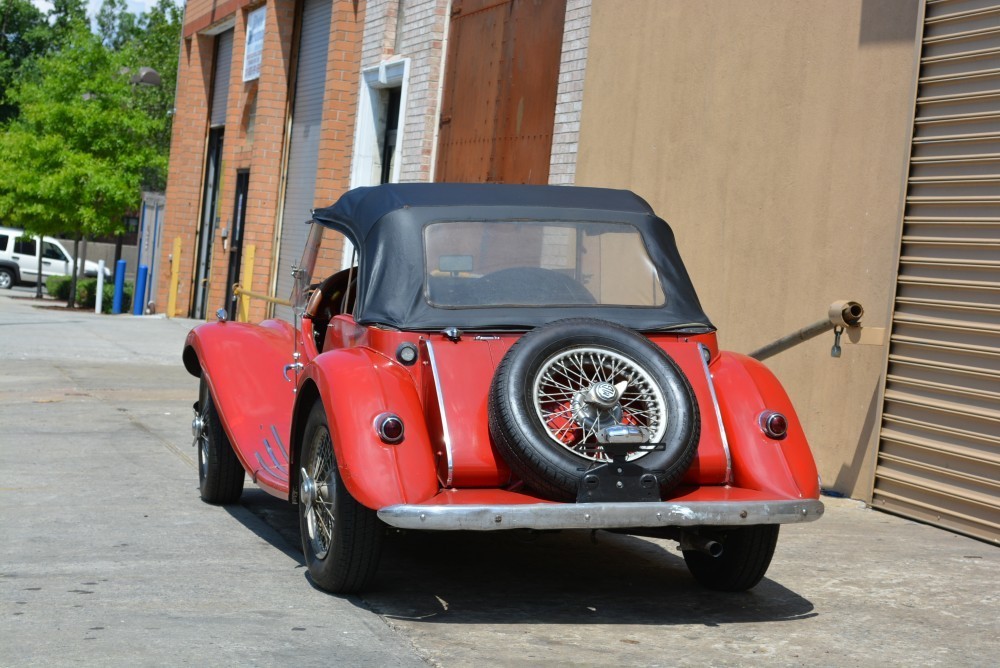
{"x": 386, "y": 222}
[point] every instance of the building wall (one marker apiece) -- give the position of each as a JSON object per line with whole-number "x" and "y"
{"x": 187, "y": 158}
{"x": 420, "y": 38}
{"x": 255, "y": 136}
{"x": 363, "y": 35}
{"x": 202, "y": 14}
{"x": 255, "y": 139}
{"x": 772, "y": 136}
{"x": 569, "y": 96}
{"x": 340, "y": 111}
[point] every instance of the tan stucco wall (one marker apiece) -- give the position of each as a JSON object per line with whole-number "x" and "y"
{"x": 772, "y": 135}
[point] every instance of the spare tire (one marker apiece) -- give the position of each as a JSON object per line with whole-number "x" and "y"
{"x": 561, "y": 386}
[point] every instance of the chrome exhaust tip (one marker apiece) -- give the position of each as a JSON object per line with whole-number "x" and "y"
{"x": 692, "y": 542}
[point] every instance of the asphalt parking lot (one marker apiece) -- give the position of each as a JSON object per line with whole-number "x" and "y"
{"x": 109, "y": 557}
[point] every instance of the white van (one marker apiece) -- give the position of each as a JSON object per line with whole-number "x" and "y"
{"x": 19, "y": 259}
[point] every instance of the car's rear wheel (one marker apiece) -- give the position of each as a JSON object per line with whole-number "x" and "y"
{"x": 746, "y": 555}
{"x": 220, "y": 474}
{"x": 7, "y": 278}
{"x": 341, "y": 539}
{"x": 562, "y": 389}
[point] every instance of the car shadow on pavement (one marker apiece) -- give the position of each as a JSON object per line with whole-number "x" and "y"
{"x": 520, "y": 577}
{"x": 272, "y": 519}
{"x": 568, "y": 577}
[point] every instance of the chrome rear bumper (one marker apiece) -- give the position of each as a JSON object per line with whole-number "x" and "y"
{"x": 599, "y": 515}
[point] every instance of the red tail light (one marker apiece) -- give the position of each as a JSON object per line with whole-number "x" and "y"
{"x": 389, "y": 428}
{"x": 773, "y": 424}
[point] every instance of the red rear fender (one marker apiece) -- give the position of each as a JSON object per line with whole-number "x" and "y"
{"x": 355, "y": 386}
{"x": 745, "y": 389}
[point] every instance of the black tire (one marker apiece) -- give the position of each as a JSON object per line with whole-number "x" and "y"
{"x": 220, "y": 474}
{"x": 548, "y": 465}
{"x": 746, "y": 555}
{"x": 7, "y": 278}
{"x": 342, "y": 558}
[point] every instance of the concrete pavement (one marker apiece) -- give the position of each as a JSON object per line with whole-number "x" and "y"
{"x": 108, "y": 557}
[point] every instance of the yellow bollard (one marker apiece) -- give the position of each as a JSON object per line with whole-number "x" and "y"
{"x": 246, "y": 284}
{"x": 175, "y": 277}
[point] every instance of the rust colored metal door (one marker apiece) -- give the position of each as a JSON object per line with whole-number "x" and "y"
{"x": 499, "y": 99}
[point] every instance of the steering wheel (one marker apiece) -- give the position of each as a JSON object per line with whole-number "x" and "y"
{"x": 533, "y": 285}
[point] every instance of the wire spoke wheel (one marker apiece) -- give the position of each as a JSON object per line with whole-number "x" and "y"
{"x": 220, "y": 473}
{"x": 580, "y": 391}
{"x": 201, "y": 441}
{"x": 320, "y": 518}
{"x": 566, "y": 391}
{"x": 341, "y": 539}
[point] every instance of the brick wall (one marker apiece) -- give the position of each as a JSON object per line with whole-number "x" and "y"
{"x": 256, "y": 117}
{"x": 379, "y": 31}
{"x": 257, "y": 147}
{"x": 569, "y": 96}
{"x": 421, "y": 40}
{"x": 184, "y": 175}
{"x": 340, "y": 107}
{"x": 200, "y": 14}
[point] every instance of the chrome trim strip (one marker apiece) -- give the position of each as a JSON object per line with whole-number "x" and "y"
{"x": 277, "y": 473}
{"x": 270, "y": 453}
{"x": 718, "y": 415}
{"x": 600, "y": 515}
{"x": 446, "y": 433}
{"x": 277, "y": 439}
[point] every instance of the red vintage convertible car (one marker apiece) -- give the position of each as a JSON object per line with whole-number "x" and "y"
{"x": 499, "y": 357}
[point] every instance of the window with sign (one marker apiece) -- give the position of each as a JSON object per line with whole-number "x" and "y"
{"x": 254, "y": 52}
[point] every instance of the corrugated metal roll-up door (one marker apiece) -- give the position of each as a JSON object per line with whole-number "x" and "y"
{"x": 220, "y": 84}
{"x": 303, "y": 152}
{"x": 939, "y": 452}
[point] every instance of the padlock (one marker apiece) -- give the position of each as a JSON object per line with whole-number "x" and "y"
{"x": 835, "y": 351}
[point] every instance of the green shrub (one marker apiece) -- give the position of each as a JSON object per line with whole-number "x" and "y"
{"x": 86, "y": 290}
{"x": 86, "y": 295}
{"x": 58, "y": 287}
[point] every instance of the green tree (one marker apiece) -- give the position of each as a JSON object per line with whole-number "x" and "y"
{"x": 157, "y": 45}
{"x": 65, "y": 16}
{"x": 88, "y": 141}
{"x": 24, "y": 34}
{"x": 115, "y": 24}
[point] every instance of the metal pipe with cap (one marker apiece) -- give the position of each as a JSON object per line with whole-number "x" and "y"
{"x": 842, "y": 313}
